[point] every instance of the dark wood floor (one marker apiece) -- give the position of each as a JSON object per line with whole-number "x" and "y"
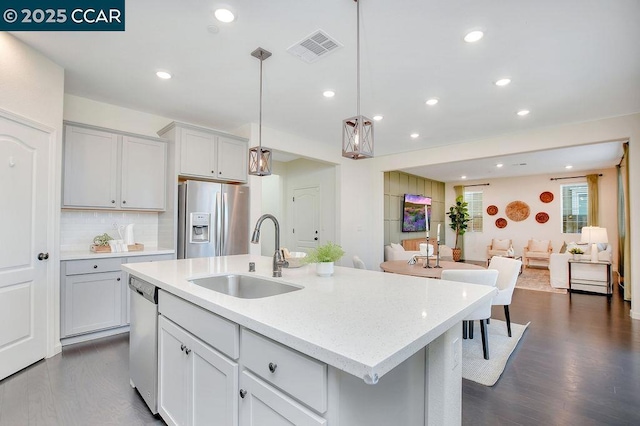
{"x": 578, "y": 363}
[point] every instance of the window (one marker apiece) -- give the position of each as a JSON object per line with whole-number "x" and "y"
{"x": 574, "y": 207}
{"x": 474, "y": 198}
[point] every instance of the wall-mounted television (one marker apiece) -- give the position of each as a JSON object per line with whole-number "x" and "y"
{"x": 416, "y": 213}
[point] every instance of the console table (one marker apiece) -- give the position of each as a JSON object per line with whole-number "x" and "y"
{"x": 592, "y": 277}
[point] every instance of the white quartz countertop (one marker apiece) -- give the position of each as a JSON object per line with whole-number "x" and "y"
{"x": 88, "y": 254}
{"x": 362, "y": 322}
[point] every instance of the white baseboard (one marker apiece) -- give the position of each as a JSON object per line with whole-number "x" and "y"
{"x": 635, "y": 315}
{"x": 91, "y": 336}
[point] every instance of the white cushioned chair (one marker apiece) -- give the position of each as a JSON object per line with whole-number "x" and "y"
{"x": 508, "y": 271}
{"x": 537, "y": 250}
{"x": 498, "y": 248}
{"x": 474, "y": 276}
{"x": 358, "y": 263}
{"x": 396, "y": 252}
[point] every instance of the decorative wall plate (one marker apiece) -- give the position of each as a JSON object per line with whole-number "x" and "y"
{"x": 542, "y": 217}
{"x": 501, "y": 222}
{"x": 517, "y": 211}
{"x": 491, "y": 210}
{"x": 546, "y": 197}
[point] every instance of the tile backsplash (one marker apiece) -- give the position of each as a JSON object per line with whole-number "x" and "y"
{"x": 79, "y": 227}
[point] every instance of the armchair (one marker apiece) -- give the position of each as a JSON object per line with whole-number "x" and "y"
{"x": 498, "y": 248}
{"x": 537, "y": 250}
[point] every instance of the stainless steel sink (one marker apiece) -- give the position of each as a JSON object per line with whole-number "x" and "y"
{"x": 244, "y": 286}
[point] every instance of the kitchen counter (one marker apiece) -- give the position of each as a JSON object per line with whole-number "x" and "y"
{"x": 362, "y": 322}
{"x": 88, "y": 254}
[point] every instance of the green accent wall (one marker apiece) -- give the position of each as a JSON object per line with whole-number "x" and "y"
{"x": 396, "y": 184}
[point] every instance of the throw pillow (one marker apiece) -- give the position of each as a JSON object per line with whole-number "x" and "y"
{"x": 563, "y": 249}
{"x": 500, "y": 244}
{"x": 397, "y": 246}
{"x": 602, "y": 246}
{"x": 538, "y": 245}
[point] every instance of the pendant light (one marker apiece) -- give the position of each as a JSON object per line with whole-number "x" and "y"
{"x": 259, "y": 157}
{"x": 357, "y": 132}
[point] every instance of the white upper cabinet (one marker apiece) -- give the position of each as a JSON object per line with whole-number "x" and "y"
{"x": 112, "y": 170}
{"x": 144, "y": 165}
{"x": 90, "y": 168}
{"x": 208, "y": 154}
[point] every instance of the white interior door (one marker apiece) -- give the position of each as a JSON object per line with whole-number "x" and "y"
{"x": 24, "y": 170}
{"x": 306, "y": 218}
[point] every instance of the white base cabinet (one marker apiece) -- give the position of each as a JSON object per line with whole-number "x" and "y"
{"x": 198, "y": 385}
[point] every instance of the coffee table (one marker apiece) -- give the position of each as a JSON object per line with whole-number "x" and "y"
{"x": 417, "y": 270}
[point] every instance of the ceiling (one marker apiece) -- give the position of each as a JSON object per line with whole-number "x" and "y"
{"x": 569, "y": 61}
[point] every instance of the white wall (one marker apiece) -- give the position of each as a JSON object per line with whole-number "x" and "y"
{"x": 501, "y": 192}
{"x": 32, "y": 86}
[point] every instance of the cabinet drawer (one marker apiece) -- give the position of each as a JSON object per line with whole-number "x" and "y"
{"x": 214, "y": 330}
{"x": 300, "y": 376}
{"x": 90, "y": 266}
{"x": 151, "y": 258}
{"x": 589, "y": 272}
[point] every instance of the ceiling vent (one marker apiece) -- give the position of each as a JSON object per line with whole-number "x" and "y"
{"x": 314, "y": 46}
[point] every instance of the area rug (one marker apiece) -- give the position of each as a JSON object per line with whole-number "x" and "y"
{"x": 487, "y": 372}
{"x": 537, "y": 279}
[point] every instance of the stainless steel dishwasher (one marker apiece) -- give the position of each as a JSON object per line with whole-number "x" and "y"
{"x": 143, "y": 341}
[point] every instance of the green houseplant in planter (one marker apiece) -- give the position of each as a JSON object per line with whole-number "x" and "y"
{"x": 324, "y": 257}
{"x": 459, "y": 215}
{"x": 576, "y": 252}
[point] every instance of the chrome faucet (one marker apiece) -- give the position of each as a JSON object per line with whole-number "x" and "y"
{"x": 278, "y": 260}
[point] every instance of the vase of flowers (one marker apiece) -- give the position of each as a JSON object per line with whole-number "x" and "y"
{"x": 324, "y": 257}
{"x": 576, "y": 252}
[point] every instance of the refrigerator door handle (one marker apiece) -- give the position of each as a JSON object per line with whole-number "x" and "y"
{"x": 225, "y": 225}
{"x": 218, "y": 227}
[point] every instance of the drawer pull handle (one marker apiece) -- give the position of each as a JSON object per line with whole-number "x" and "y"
{"x": 187, "y": 351}
{"x": 113, "y": 201}
{"x": 117, "y": 279}
{"x": 182, "y": 348}
{"x": 272, "y": 367}
{"x": 95, "y": 266}
{"x": 243, "y": 393}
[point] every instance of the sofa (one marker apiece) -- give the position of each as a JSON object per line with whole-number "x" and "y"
{"x": 559, "y": 262}
{"x": 395, "y": 251}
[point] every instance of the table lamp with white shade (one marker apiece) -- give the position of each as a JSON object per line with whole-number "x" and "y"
{"x": 594, "y": 235}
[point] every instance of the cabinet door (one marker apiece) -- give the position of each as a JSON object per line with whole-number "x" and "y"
{"x": 144, "y": 166}
{"x": 263, "y": 405}
{"x": 92, "y": 302}
{"x": 232, "y": 159}
{"x": 214, "y": 382}
{"x": 90, "y": 168}
{"x": 173, "y": 371}
{"x": 197, "y": 153}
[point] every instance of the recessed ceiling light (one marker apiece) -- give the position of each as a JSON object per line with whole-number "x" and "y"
{"x": 378, "y": 117}
{"x": 414, "y": 135}
{"x": 473, "y": 36}
{"x": 499, "y": 165}
{"x": 523, "y": 112}
{"x": 432, "y": 101}
{"x": 568, "y": 166}
{"x": 328, "y": 93}
{"x": 163, "y": 75}
{"x": 503, "y": 82}
{"x": 463, "y": 177}
{"x": 224, "y": 15}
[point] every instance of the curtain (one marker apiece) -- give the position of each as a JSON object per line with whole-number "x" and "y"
{"x": 624, "y": 244}
{"x": 592, "y": 208}
{"x": 459, "y": 189}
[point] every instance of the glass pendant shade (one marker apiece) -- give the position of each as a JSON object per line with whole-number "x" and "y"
{"x": 259, "y": 161}
{"x": 357, "y": 137}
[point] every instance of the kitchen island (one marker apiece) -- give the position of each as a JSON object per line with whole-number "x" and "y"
{"x": 397, "y": 338}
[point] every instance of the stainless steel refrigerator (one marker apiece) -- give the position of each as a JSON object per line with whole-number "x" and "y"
{"x": 213, "y": 219}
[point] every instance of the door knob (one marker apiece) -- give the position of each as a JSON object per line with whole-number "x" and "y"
{"x": 43, "y": 256}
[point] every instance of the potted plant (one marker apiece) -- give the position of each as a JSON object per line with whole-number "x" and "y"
{"x": 324, "y": 257}
{"x": 459, "y": 215}
{"x": 576, "y": 252}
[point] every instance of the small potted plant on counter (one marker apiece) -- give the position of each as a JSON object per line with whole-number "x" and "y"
{"x": 324, "y": 257}
{"x": 576, "y": 252}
